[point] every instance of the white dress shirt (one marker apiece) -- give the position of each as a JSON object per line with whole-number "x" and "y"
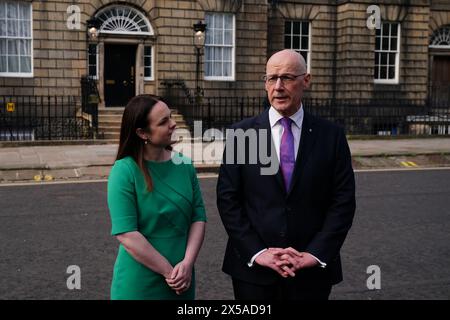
{"x": 277, "y": 132}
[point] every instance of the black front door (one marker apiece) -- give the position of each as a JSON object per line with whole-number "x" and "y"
{"x": 119, "y": 74}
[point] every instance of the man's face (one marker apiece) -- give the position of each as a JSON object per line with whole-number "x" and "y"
{"x": 285, "y": 93}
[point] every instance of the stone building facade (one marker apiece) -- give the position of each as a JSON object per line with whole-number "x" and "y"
{"x": 144, "y": 44}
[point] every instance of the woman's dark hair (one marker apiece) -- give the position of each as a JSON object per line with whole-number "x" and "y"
{"x": 135, "y": 116}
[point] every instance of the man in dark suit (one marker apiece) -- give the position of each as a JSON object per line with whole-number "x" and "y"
{"x": 286, "y": 229}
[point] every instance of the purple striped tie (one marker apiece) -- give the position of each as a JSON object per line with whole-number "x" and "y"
{"x": 287, "y": 156}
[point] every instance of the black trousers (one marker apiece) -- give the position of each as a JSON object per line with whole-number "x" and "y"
{"x": 284, "y": 289}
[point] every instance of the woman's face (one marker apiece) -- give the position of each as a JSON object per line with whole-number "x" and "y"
{"x": 161, "y": 124}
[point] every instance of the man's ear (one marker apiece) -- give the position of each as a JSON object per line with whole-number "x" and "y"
{"x": 307, "y": 80}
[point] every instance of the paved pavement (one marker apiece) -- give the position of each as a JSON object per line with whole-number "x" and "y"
{"x": 93, "y": 161}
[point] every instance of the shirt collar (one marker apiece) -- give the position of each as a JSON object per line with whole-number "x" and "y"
{"x": 297, "y": 117}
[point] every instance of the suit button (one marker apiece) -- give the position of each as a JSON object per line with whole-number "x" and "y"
{"x": 283, "y": 234}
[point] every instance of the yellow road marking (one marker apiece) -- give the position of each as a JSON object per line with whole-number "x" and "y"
{"x": 404, "y": 163}
{"x": 409, "y": 164}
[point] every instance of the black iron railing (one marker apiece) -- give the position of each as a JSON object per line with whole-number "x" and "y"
{"x": 43, "y": 118}
{"x": 358, "y": 117}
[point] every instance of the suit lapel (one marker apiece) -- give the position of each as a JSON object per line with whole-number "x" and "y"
{"x": 307, "y": 140}
{"x": 263, "y": 123}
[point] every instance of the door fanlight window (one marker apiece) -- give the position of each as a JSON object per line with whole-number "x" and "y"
{"x": 124, "y": 20}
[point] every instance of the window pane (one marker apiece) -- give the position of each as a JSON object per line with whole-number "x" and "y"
{"x": 227, "y": 69}
{"x": 2, "y": 10}
{"x": 147, "y": 61}
{"x": 2, "y": 27}
{"x": 92, "y": 71}
{"x": 92, "y": 59}
{"x": 385, "y": 29}
{"x": 92, "y": 49}
{"x": 305, "y": 55}
{"x": 208, "y": 69}
{"x": 12, "y": 10}
{"x": 13, "y": 63}
{"x": 217, "y": 54}
{"x": 208, "y": 53}
{"x": 287, "y": 27}
{"x": 147, "y": 73}
{"x": 217, "y": 69}
{"x": 228, "y": 21}
{"x": 25, "y": 64}
{"x": 148, "y": 51}
{"x": 378, "y": 32}
{"x": 375, "y": 71}
{"x": 13, "y": 47}
{"x": 13, "y": 30}
{"x": 25, "y": 49}
{"x": 287, "y": 42}
{"x": 296, "y": 27}
{"x": 218, "y": 21}
{"x": 394, "y": 30}
{"x": 208, "y": 36}
{"x": 377, "y": 57}
{"x": 218, "y": 37}
{"x": 305, "y": 28}
{"x": 385, "y": 44}
{"x": 3, "y": 46}
{"x": 296, "y": 42}
{"x": 3, "y": 64}
{"x": 26, "y": 28}
{"x": 391, "y": 58}
{"x": 305, "y": 43}
{"x": 24, "y": 11}
{"x": 228, "y": 37}
{"x": 227, "y": 54}
{"x": 384, "y": 58}
{"x": 383, "y": 72}
{"x": 391, "y": 72}
{"x": 394, "y": 44}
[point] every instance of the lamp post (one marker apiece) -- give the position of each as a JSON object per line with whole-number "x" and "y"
{"x": 93, "y": 26}
{"x": 89, "y": 87}
{"x": 199, "y": 42}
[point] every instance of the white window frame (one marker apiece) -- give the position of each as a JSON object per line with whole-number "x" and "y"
{"x": 22, "y": 74}
{"x": 233, "y": 53}
{"x": 152, "y": 62}
{"x": 96, "y": 60}
{"x": 397, "y": 56}
{"x": 308, "y": 62}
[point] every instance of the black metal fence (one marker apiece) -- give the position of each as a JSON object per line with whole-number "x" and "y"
{"x": 43, "y": 118}
{"x": 358, "y": 117}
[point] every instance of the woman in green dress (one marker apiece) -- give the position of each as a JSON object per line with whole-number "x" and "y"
{"x": 156, "y": 208}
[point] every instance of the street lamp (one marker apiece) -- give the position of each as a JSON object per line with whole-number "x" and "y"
{"x": 93, "y": 26}
{"x": 89, "y": 90}
{"x": 199, "y": 42}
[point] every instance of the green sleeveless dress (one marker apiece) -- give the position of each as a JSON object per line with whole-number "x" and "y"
{"x": 163, "y": 216}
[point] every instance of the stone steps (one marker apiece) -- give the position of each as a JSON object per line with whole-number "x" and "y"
{"x": 110, "y": 120}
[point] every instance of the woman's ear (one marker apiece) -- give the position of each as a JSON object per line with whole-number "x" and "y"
{"x": 142, "y": 134}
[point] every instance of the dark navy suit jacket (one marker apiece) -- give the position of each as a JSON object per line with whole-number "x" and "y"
{"x": 314, "y": 215}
